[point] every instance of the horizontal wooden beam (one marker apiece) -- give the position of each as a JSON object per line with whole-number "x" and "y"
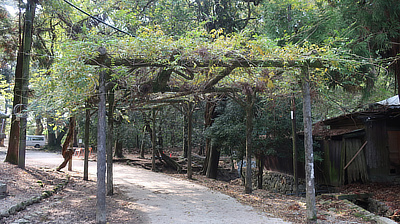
{"x": 192, "y": 63}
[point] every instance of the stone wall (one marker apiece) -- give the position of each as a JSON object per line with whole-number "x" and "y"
{"x": 280, "y": 182}
{"x": 379, "y": 208}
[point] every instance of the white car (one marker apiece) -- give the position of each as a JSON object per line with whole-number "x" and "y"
{"x": 36, "y": 141}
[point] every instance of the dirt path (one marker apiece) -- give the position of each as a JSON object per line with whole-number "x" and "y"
{"x": 164, "y": 199}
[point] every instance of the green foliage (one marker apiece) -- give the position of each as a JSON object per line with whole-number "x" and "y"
{"x": 8, "y": 36}
{"x": 228, "y": 132}
{"x": 377, "y": 24}
{"x": 272, "y": 127}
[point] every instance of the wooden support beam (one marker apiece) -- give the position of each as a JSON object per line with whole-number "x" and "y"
{"x": 348, "y": 164}
{"x": 191, "y": 63}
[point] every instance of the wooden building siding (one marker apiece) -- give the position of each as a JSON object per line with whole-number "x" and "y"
{"x": 357, "y": 170}
{"x": 377, "y": 149}
{"x": 394, "y": 152}
{"x": 332, "y": 162}
{"x": 341, "y": 138}
{"x": 337, "y": 154}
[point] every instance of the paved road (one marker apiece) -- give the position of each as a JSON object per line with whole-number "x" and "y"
{"x": 165, "y": 199}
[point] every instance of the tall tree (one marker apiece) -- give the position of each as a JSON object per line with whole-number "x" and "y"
{"x": 16, "y": 147}
{"x": 376, "y": 32}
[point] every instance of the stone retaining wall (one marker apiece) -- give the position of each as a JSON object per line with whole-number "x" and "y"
{"x": 279, "y": 182}
{"x": 379, "y": 208}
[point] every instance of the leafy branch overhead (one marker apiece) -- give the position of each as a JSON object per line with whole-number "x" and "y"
{"x": 200, "y": 61}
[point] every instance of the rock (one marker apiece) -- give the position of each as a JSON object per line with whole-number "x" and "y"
{"x": 27, "y": 217}
{"x": 13, "y": 210}
{"x": 20, "y": 221}
{"x": 4, "y": 214}
{"x": 36, "y": 199}
{"x": 3, "y": 189}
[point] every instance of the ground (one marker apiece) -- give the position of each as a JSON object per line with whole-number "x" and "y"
{"x": 76, "y": 202}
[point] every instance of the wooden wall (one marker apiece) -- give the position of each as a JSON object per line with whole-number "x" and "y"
{"x": 377, "y": 150}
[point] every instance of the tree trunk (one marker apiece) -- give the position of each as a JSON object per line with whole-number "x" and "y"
{"x": 39, "y": 125}
{"x": 75, "y": 141}
{"x": 170, "y": 162}
{"x": 101, "y": 153}
{"x": 27, "y": 44}
{"x": 17, "y": 142}
{"x": 153, "y": 142}
{"x": 249, "y": 134}
{"x": 207, "y": 156}
{"x": 209, "y": 115}
{"x": 87, "y": 132}
{"x": 71, "y": 147}
{"x": 67, "y": 151}
{"x": 160, "y": 140}
{"x": 142, "y": 151}
{"x": 110, "y": 133}
{"x": 185, "y": 132}
{"x": 294, "y": 142}
{"x": 118, "y": 147}
{"x": 260, "y": 166}
{"x": 51, "y": 135}
{"x": 308, "y": 147}
{"x": 212, "y": 168}
{"x": 190, "y": 131}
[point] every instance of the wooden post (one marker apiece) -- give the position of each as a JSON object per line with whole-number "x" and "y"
{"x": 185, "y": 130}
{"x": 87, "y": 131}
{"x": 249, "y": 134}
{"x": 190, "y": 131}
{"x": 109, "y": 144}
{"x": 311, "y": 210}
{"x": 153, "y": 141}
{"x": 294, "y": 141}
{"x": 101, "y": 153}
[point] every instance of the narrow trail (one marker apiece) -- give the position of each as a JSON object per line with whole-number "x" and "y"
{"x": 164, "y": 199}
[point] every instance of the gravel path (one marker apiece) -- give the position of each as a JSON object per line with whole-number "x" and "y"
{"x": 164, "y": 199}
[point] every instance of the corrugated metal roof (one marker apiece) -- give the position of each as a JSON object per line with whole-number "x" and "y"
{"x": 392, "y": 101}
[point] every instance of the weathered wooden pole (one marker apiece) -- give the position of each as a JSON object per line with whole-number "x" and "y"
{"x": 308, "y": 147}
{"x": 249, "y": 134}
{"x": 110, "y": 133}
{"x": 87, "y": 132}
{"x": 101, "y": 152}
{"x": 294, "y": 141}
{"x": 190, "y": 131}
{"x": 185, "y": 130}
{"x": 153, "y": 141}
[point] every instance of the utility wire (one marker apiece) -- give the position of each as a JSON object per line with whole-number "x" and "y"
{"x": 99, "y": 20}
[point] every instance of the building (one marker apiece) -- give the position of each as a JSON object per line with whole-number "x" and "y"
{"x": 362, "y": 146}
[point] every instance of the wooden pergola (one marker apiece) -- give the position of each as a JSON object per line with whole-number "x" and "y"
{"x": 159, "y": 85}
